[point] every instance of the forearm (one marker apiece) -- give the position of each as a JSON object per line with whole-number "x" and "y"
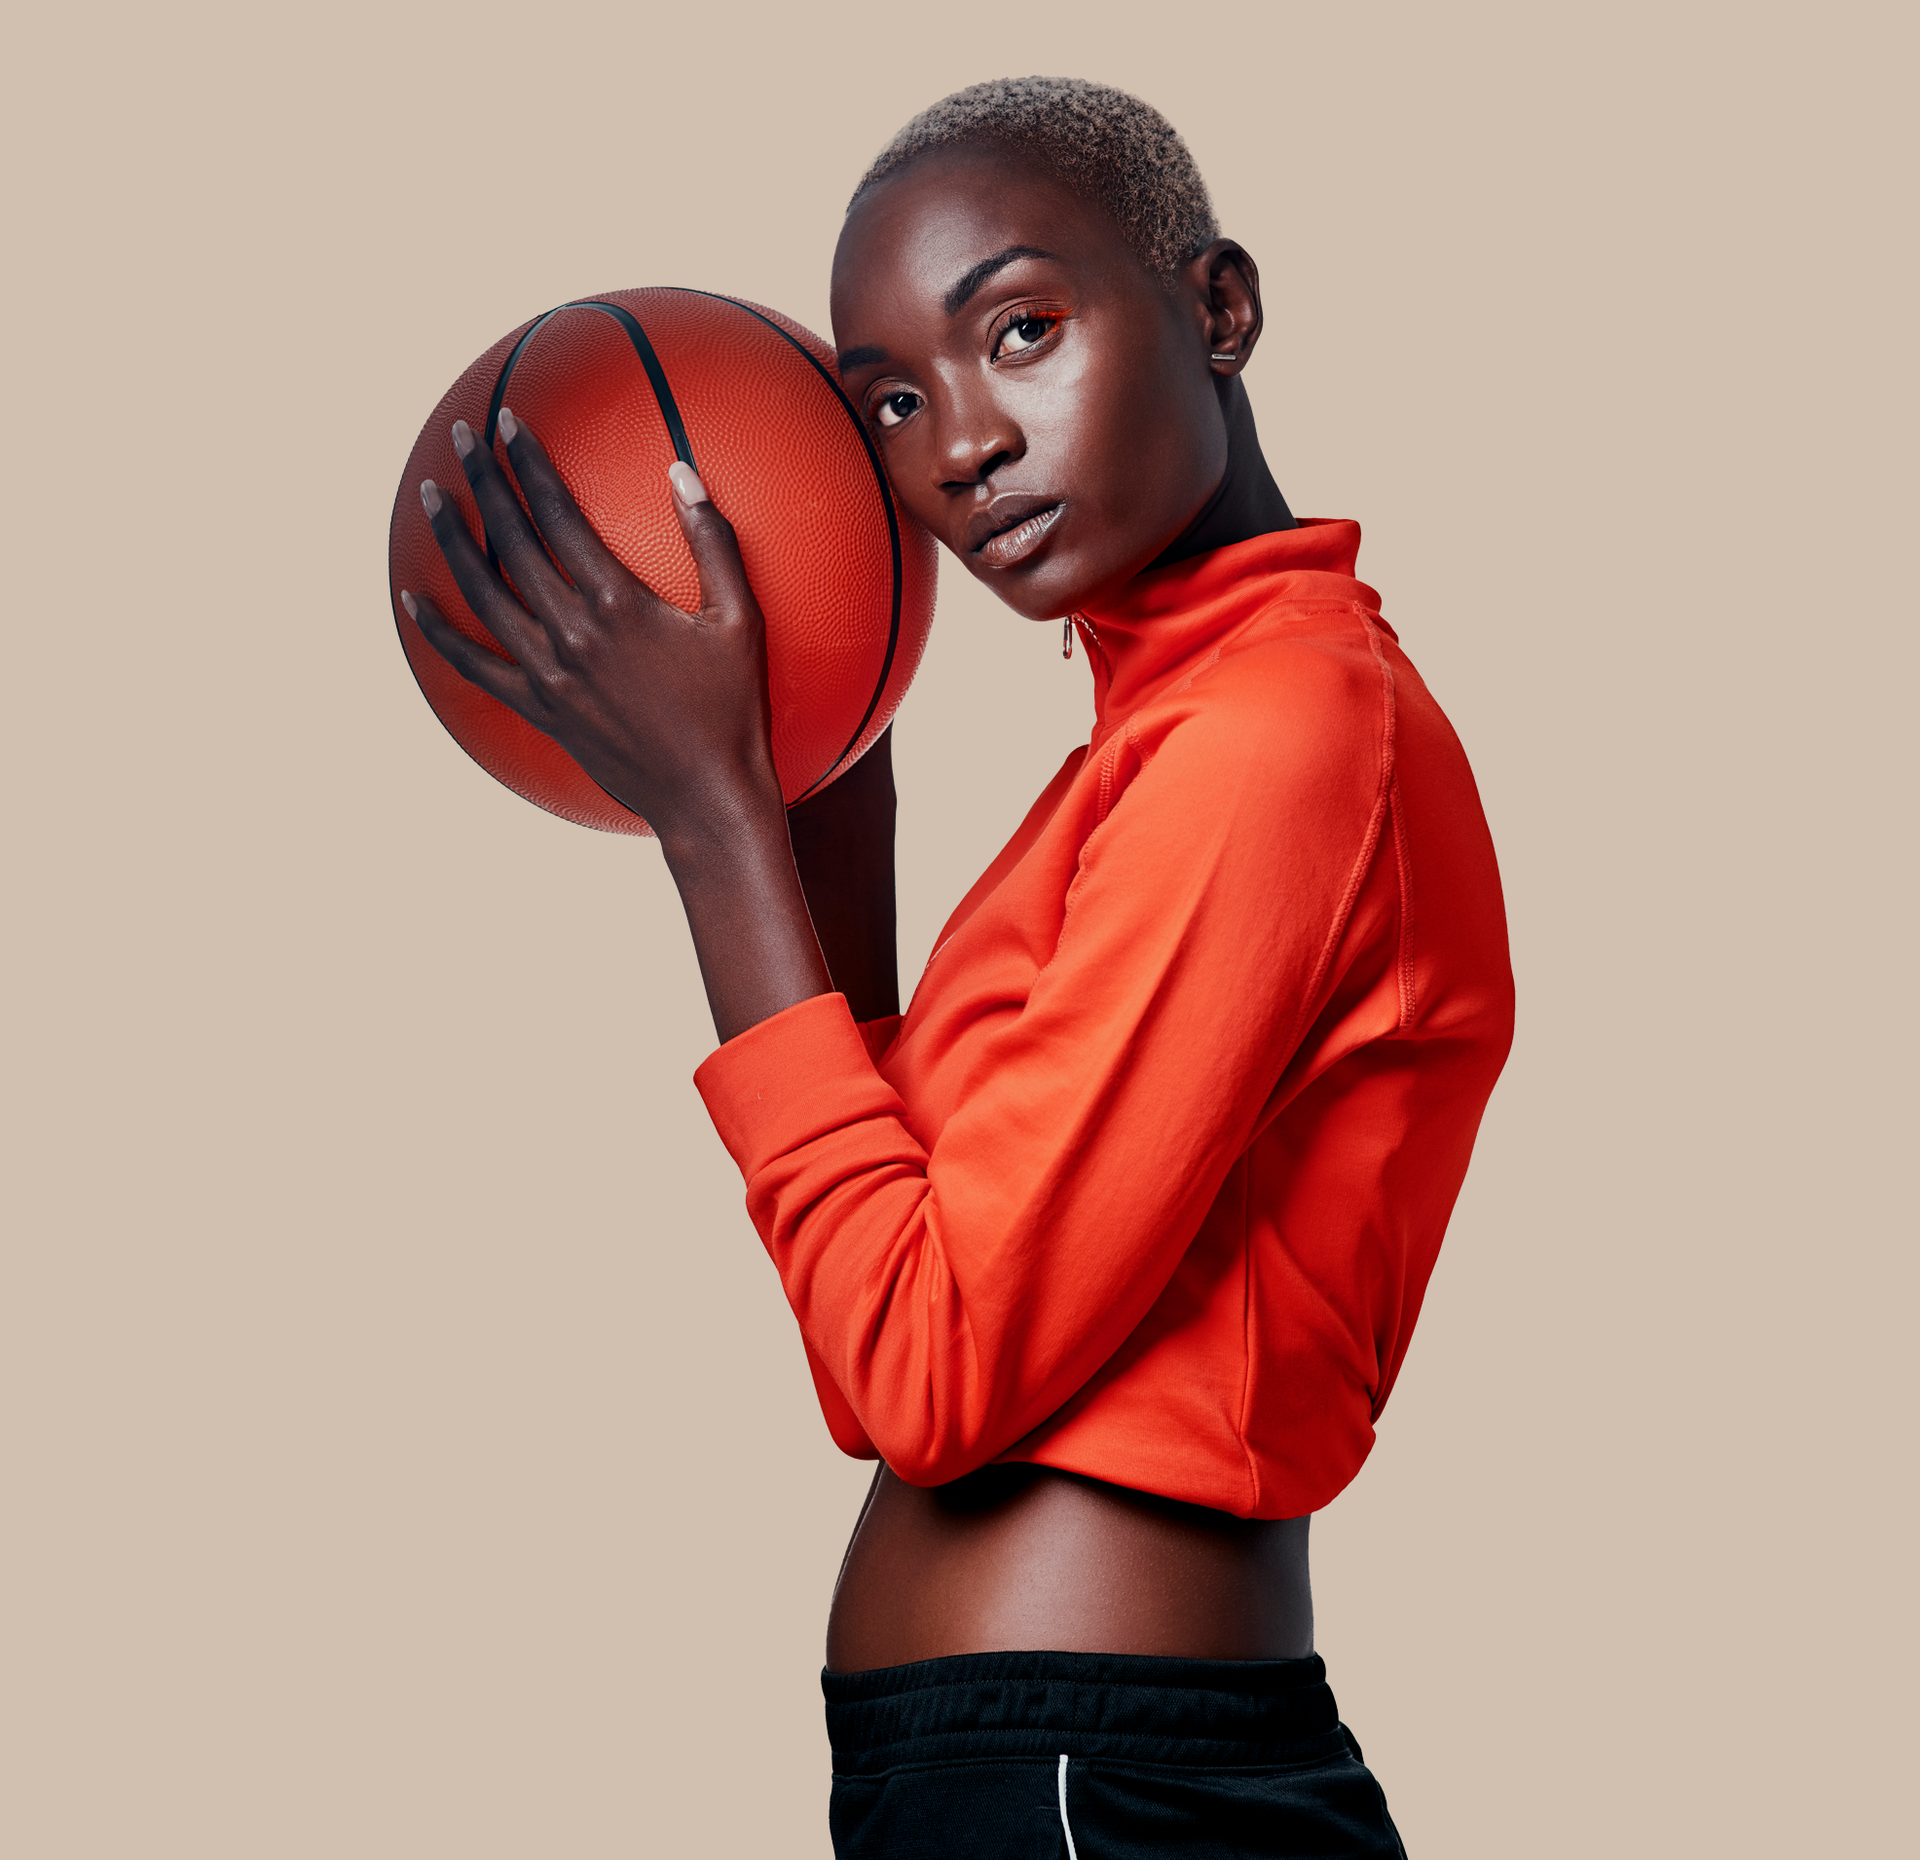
{"x": 843, "y": 848}
{"x": 751, "y": 930}
{"x": 785, "y": 905}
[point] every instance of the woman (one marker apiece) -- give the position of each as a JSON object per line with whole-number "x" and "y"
{"x": 1110, "y": 1249}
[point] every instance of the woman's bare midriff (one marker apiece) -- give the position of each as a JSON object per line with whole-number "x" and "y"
{"x": 1016, "y": 1558}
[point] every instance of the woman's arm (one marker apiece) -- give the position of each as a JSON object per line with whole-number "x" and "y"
{"x": 668, "y": 712}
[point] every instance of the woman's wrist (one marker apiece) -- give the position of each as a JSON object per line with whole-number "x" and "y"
{"x": 740, "y": 822}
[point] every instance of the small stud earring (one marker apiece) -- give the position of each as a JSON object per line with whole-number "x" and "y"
{"x": 1224, "y": 358}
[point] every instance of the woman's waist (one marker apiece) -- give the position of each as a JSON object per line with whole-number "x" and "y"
{"x": 1016, "y": 1558}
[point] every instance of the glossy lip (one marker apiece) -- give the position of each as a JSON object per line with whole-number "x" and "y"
{"x": 1012, "y": 527}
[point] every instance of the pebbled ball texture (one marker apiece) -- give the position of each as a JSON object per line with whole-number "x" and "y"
{"x": 784, "y": 457}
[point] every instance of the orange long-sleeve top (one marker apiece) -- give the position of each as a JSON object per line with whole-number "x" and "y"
{"x": 1148, "y": 1181}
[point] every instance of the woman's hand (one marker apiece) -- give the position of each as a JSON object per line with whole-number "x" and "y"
{"x": 666, "y": 710}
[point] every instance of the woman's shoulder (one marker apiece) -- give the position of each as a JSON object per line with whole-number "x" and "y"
{"x": 1307, "y": 689}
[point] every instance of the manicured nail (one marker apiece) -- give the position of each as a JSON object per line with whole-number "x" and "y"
{"x": 430, "y": 496}
{"x": 509, "y": 426}
{"x": 686, "y": 484}
{"x": 462, "y": 437}
{"x": 410, "y": 604}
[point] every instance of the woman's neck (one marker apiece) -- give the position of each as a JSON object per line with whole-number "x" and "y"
{"x": 1246, "y": 502}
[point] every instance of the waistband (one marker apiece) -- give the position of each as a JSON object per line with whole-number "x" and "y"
{"x": 1134, "y": 1707}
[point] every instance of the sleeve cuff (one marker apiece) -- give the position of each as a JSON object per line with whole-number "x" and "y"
{"x": 792, "y": 1079}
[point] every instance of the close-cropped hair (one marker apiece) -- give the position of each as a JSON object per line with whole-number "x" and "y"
{"x": 1104, "y": 144}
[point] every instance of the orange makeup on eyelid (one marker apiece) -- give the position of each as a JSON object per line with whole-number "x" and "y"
{"x": 1053, "y": 314}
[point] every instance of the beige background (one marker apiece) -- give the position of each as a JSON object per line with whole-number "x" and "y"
{"x": 407, "y": 1451}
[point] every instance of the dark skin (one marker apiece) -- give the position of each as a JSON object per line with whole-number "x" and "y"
{"x": 1062, "y": 419}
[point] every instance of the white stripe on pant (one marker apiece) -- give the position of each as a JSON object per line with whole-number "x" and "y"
{"x": 1066, "y": 1827}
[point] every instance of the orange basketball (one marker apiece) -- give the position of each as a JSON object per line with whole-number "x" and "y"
{"x": 617, "y": 387}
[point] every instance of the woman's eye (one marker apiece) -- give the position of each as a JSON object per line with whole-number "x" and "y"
{"x": 1024, "y": 332}
{"x": 896, "y": 407}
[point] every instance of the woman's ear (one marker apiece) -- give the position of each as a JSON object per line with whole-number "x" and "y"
{"x": 1225, "y": 284}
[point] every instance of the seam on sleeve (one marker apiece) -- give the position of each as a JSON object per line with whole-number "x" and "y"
{"x": 1403, "y": 855}
{"x": 1072, "y": 896}
{"x": 1369, "y": 841}
{"x": 1127, "y": 737}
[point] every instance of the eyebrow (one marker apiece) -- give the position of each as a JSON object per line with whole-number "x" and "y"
{"x": 865, "y": 354}
{"x": 972, "y": 280}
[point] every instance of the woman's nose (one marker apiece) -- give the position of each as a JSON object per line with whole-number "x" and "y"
{"x": 979, "y": 439}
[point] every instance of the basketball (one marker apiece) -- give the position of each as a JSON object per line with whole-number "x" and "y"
{"x": 618, "y": 386}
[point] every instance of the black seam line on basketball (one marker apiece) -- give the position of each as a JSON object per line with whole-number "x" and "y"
{"x": 886, "y": 504}
{"x": 656, "y": 378}
{"x": 669, "y": 408}
{"x": 656, "y": 375}
{"x": 499, "y": 396}
{"x": 498, "y": 399}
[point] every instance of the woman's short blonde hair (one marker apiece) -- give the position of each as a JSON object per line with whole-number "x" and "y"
{"x": 1105, "y": 144}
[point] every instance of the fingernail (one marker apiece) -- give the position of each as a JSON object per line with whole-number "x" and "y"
{"x": 686, "y": 484}
{"x": 410, "y": 604}
{"x": 462, "y": 437}
{"x": 509, "y": 427}
{"x": 430, "y": 496}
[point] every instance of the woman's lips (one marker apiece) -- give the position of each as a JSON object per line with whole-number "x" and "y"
{"x": 1015, "y": 544}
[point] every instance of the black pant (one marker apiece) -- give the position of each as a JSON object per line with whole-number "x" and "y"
{"x": 1019, "y": 1756}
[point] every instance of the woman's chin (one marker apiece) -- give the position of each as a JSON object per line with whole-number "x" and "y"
{"x": 1044, "y": 588}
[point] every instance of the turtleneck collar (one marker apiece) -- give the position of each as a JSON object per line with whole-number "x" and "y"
{"x": 1163, "y": 624}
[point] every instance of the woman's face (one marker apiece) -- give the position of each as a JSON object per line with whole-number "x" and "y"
{"x": 1045, "y": 405}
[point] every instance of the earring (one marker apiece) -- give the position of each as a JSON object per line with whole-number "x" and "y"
{"x": 1066, "y": 637}
{"x": 1224, "y": 358}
